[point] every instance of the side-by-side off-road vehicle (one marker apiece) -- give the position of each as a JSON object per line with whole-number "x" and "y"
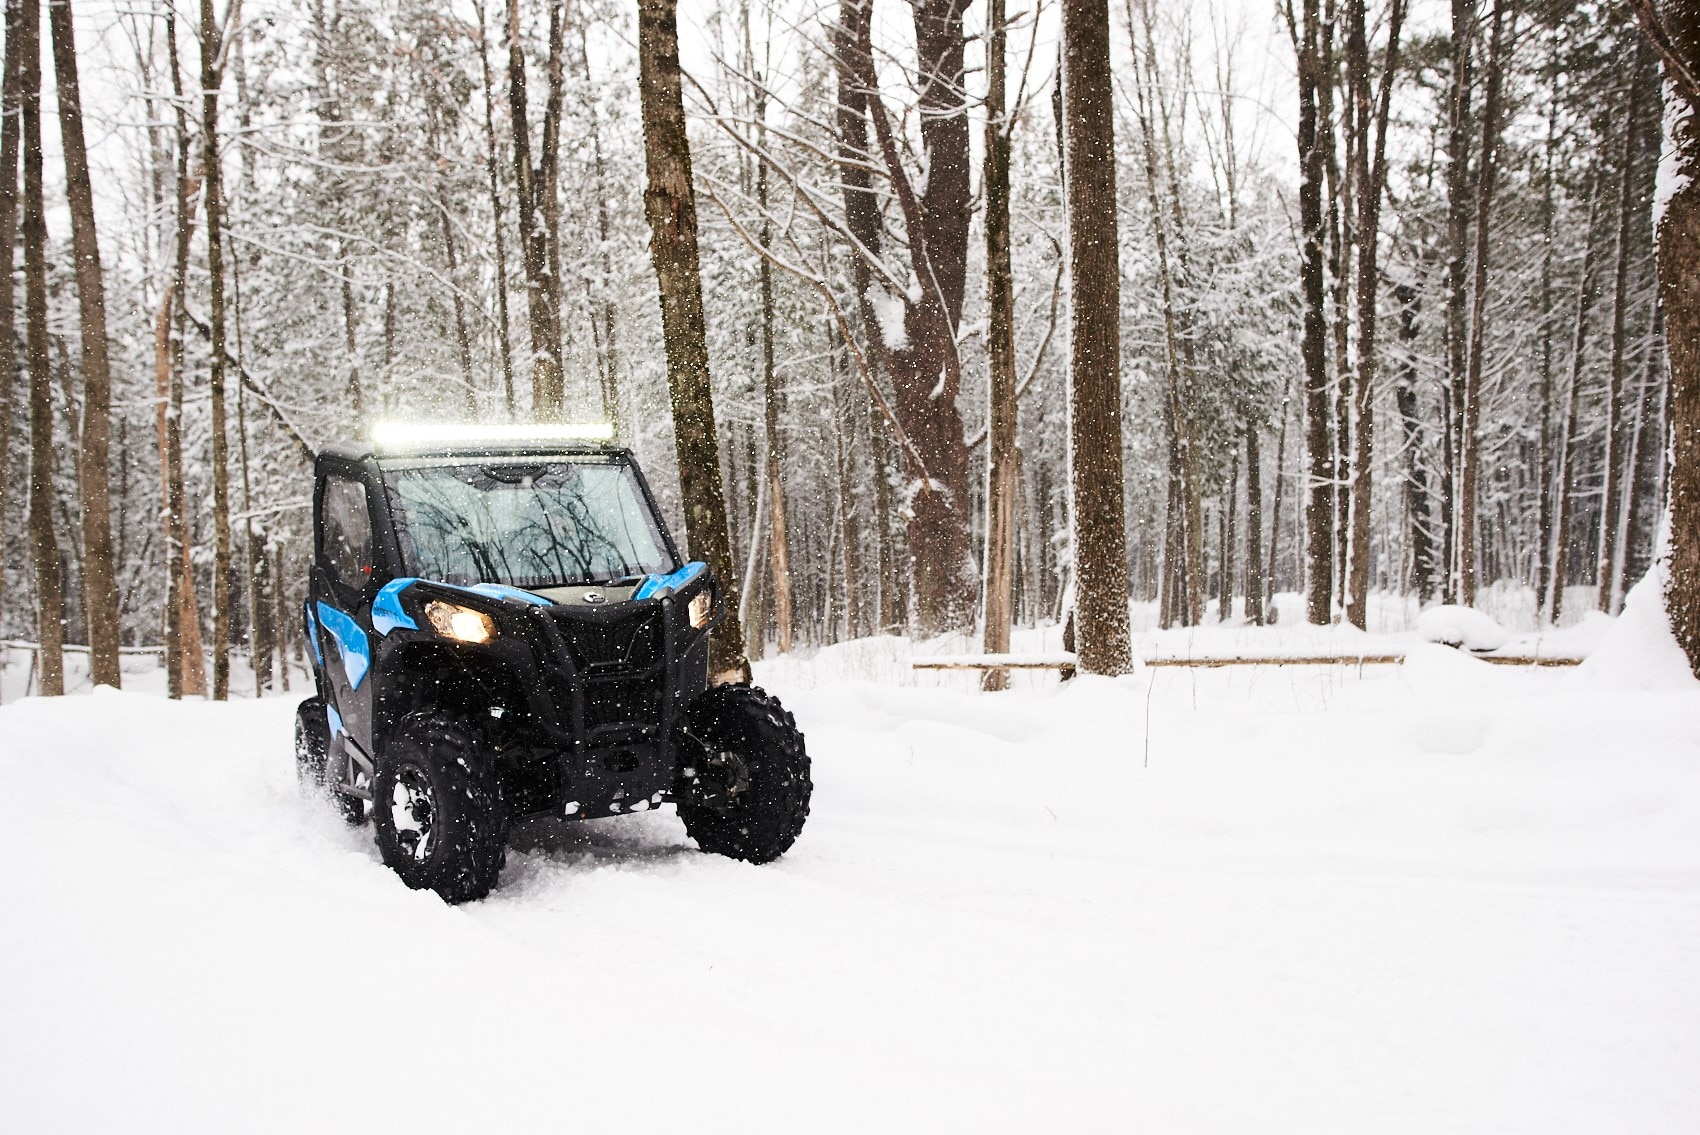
{"x": 501, "y": 628}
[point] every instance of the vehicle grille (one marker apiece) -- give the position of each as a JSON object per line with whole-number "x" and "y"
{"x": 620, "y": 662}
{"x": 632, "y": 643}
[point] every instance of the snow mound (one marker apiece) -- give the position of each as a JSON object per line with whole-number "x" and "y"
{"x": 1467, "y": 627}
{"x": 1639, "y": 652}
{"x": 1442, "y": 896}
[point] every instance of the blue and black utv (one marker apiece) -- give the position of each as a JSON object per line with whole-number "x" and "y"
{"x": 501, "y": 628}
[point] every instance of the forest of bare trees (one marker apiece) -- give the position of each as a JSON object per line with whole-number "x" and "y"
{"x": 926, "y": 318}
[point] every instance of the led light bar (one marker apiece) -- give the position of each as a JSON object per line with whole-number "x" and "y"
{"x": 407, "y": 435}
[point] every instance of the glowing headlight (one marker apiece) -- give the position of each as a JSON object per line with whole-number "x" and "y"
{"x": 702, "y": 609}
{"x": 463, "y": 624}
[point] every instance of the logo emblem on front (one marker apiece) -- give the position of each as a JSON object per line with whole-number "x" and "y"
{"x": 594, "y": 597}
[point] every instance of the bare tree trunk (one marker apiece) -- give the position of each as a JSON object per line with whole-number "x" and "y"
{"x": 1319, "y": 497}
{"x": 608, "y": 343}
{"x": 1225, "y": 593}
{"x": 855, "y": 616}
{"x": 9, "y": 125}
{"x": 1645, "y": 457}
{"x": 536, "y": 208}
{"x": 862, "y": 220}
{"x": 498, "y": 226}
{"x": 1544, "y": 454}
{"x": 1469, "y": 443}
{"x": 670, "y": 203}
{"x": 351, "y": 345}
{"x": 281, "y": 621}
{"x": 1567, "y": 432}
{"x": 1271, "y": 613}
{"x": 1676, "y": 24}
{"x": 779, "y": 542}
{"x": 1095, "y": 428}
{"x": 469, "y": 393}
{"x": 259, "y": 566}
{"x": 44, "y": 542}
{"x": 1183, "y": 561}
{"x": 999, "y": 572}
{"x": 893, "y": 605}
{"x": 185, "y": 659}
{"x": 925, "y": 367}
{"x": 1457, "y": 236}
{"x": 1617, "y": 435}
{"x": 1425, "y": 563}
{"x": 100, "y": 579}
{"x": 1255, "y": 580}
{"x": 1178, "y": 330}
{"x": 1337, "y": 195}
{"x": 1371, "y": 175}
{"x": 211, "y": 76}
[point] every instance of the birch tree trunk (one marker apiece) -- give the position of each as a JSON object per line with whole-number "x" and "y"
{"x": 999, "y": 573}
{"x": 100, "y": 578}
{"x": 44, "y": 541}
{"x": 1095, "y": 429}
{"x": 670, "y": 204}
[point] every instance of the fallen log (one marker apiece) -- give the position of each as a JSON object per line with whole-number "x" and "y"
{"x": 1069, "y": 662}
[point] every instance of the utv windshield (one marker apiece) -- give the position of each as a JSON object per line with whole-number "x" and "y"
{"x": 526, "y": 524}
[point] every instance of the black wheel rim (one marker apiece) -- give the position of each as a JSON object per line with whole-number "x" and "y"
{"x": 725, "y": 780}
{"x": 413, "y": 812}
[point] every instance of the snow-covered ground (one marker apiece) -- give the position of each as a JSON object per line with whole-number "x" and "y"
{"x": 1438, "y": 897}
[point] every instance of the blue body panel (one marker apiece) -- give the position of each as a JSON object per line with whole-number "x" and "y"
{"x": 655, "y": 584}
{"x": 387, "y": 614}
{"x": 351, "y": 643}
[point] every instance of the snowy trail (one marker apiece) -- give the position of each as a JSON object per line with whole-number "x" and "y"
{"x": 1442, "y": 897}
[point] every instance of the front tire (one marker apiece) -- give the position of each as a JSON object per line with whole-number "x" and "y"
{"x": 437, "y": 809}
{"x": 744, "y": 782}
